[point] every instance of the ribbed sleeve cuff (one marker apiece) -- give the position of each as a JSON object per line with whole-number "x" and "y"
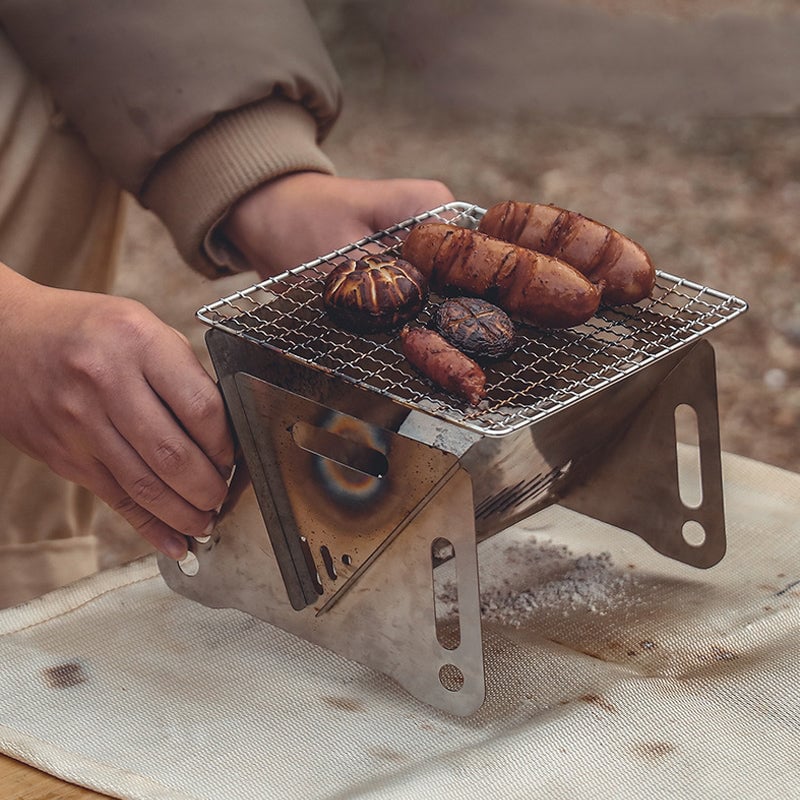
{"x": 192, "y": 188}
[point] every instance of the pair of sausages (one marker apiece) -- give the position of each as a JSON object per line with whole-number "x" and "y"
{"x": 548, "y": 266}
{"x": 544, "y": 265}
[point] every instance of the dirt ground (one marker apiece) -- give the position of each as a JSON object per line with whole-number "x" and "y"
{"x": 682, "y": 130}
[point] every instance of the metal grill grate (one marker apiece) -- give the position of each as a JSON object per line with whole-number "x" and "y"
{"x": 547, "y": 371}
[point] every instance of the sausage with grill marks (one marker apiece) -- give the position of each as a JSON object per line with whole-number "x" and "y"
{"x": 601, "y": 253}
{"x": 444, "y": 364}
{"x": 532, "y": 287}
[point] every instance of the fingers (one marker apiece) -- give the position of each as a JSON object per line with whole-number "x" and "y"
{"x": 154, "y": 530}
{"x": 167, "y": 443}
{"x": 300, "y": 216}
{"x": 196, "y": 402}
{"x": 172, "y": 454}
{"x": 398, "y": 199}
{"x": 415, "y": 196}
{"x": 115, "y": 399}
{"x": 147, "y": 490}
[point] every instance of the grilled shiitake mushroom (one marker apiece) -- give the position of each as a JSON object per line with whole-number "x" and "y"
{"x": 476, "y": 327}
{"x": 374, "y": 293}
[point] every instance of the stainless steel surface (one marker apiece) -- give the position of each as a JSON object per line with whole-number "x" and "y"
{"x": 548, "y": 371}
{"x": 387, "y": 622}
{"x": 358, "y": 480}
{"x": 633, "y": 481}
{"x": 343, "y": 489}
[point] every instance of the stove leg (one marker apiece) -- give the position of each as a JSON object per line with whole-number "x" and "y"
{"x": 635, "y": 483}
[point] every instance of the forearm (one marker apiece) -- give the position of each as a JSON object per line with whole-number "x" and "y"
{"x": 189, "y": 104}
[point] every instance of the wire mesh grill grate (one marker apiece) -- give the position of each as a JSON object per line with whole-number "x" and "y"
{"x": 547, "y": 371}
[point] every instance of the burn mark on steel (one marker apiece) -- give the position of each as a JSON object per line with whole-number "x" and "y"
{"x": 346, "y": 486}
{"x": 64, "y": 676}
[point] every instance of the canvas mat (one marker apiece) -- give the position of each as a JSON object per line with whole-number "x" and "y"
{"x": 612, "y": 672}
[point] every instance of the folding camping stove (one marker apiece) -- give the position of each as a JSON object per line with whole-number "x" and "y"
{"x": 368, "y": 477}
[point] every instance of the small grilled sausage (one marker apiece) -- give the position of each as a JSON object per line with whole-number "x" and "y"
{"x": 601, "y": 253}
{"x": 475, "y": 327}
{"x": 444, "y": 364}
{"x": 533, "y": 287}
{"x": 374, "y": 293}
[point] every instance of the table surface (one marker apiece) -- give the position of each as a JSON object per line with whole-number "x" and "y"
{"x": 18, "y": 781}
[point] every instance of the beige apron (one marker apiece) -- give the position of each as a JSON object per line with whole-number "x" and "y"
{"x": 60, "y": 224}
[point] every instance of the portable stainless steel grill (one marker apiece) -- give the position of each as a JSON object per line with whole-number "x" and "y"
{"x": 368, "y": 477}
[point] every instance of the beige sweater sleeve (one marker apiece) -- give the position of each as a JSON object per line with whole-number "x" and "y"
{"x": 189, "y": 104}
{"x": 194, "y": 185}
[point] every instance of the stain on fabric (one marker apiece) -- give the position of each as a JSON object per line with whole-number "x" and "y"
{"x": 64, "y": 676}
{"x": 387, "y": 754}
{"x": 643, "y": 647}
{"x": 344, "y": 703}
{"x": 654, "y": 750}
{"x": 723, "y": 654}
{"x": 601, "y": 702}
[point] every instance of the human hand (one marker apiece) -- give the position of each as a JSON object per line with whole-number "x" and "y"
{"x": 300, "y": 216}
{"x": 110, "y": 397}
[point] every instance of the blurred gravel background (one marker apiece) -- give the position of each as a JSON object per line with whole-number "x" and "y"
{"x": 675, "y": 121}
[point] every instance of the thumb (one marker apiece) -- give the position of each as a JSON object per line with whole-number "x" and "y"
{"x": 397, "y": 199}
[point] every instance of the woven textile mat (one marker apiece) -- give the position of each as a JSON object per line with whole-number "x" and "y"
{"x": 611, "y": 672}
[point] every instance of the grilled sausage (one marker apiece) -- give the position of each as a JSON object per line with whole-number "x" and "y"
{"x": 601, "y": 253}
{"x": 535, "y": 288}
{"x": 444, "y": 364}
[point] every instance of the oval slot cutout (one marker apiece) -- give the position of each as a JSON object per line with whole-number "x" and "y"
{"x": 445, "y": 594}
{"x": 694, "y": 533}
{"x": 189, "y": 565}
{"x": 346, "y": 452}
{"x": 327, "y": 560}
{"x": 451, "y": 678}
{"x": 689, "y": 480}
{"x": 311, "y": 564}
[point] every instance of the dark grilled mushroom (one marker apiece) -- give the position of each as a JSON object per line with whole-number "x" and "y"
{"x": 374, "y": 293}
{"x": 475, "y": 327}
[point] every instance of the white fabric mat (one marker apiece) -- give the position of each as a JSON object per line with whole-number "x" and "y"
{"x": 612, "y": 672}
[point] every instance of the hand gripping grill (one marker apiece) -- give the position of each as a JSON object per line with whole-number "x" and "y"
{"x": 368, "y": 478}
